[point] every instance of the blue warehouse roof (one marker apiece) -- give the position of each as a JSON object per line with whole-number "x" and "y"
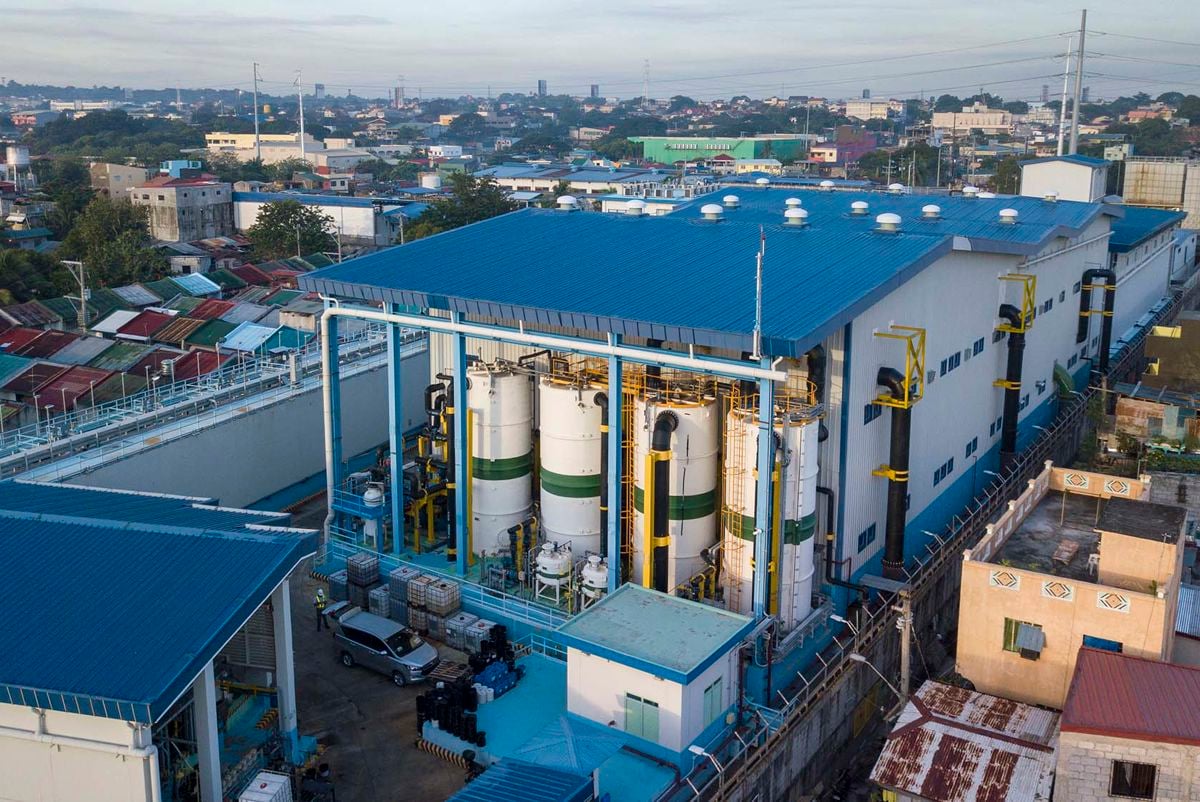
{"x": 675, "y": 278}
{"x": 672, "y": 638}
{"x": 101, "y": 504}
{"x": 514, "y": 779}
{"x": 118, "y": 619}
{"x": 1140, "y": 224}
{"x": 1072, "y": 158}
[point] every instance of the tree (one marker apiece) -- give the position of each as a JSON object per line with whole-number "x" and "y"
{"x": 112, "y": 237}
{"x": 289, "y": 228}
{"x": 466, "y": 127}
{"x": 1171, "y": 98}
{"x": 1016, "y": 107}
{"x": 1189, "y": 107}
{"x": 229, "y": 168}
{"x": 948, "y": 103}
{"x": 1008, "y": 176}
{"x": 681, "y": 102}
{"x": 284, "y": 170}
{"x": 26, "y": 275}
{"x": 382, "y": 171}
{"x": 617, "y": 148}
{"x": 68, "y": 184}
{"x": 471, "y": 199}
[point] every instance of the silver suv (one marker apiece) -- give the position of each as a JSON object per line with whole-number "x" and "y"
{"x": 380, "y": 644}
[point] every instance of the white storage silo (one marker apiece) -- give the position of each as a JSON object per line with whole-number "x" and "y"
{"x": 692, "y": 486}
{"x": 796, "y": 495}
{"x": 569, "y": 421}
{"x": 501, "y": 453}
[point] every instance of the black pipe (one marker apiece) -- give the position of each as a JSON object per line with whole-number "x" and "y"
{"x": 1085, "y": 297}
{"x": 431, "y": 391}
{"x": 830, "y": 536}
{"x": 816, "y": 372}
{"x": 1110, "y": 302}
{"x": 897, "y": 497}
{"x": 451, "y": 486}
{"x": 653, "y": 372}
{"x": 601, "y": 400}
{"x": 664, "y": 425}
{"x": 1012, "y": 392}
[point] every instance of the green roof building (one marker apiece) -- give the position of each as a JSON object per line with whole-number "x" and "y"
{"x": 671, "y": 149}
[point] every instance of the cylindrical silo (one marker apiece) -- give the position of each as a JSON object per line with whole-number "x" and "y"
{"x": 694, "y": 438}
{"x": 501, "y": 453}
{"x": 569, "y": 421}
{"x": 795, "y": 464}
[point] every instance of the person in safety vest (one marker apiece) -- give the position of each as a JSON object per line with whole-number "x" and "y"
{"x": 319, "y": 604}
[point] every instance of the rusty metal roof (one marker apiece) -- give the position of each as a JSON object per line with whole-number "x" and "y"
{"x": 955, "y": 745}
{"x": 1132, "y": 697}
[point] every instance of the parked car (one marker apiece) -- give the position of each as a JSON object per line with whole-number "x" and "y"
{"x": 380, "y": 644}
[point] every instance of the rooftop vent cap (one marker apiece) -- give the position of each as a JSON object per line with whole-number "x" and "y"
{"x": 712, "y": 211}
{"x": 826, "y": 184}
{"x": 859, "y": 207}
{"x": 987, "y": 194}
{"x": 635, "y": 208}
{"x": 1008, "y": 216}
{"x": 931, "y": 211}
{"x": 731, "y": 201}
{"x": 970, "y": 191}
{"x": 896, "y": 189}
{"x": 567, "y": 203}
{"x": 887, "y": 222}
{"x": 1050, "y": 197}
{"x": 791, "y": 202}
{"x": 762, "y": 182}
{"x": 795, "y": 216}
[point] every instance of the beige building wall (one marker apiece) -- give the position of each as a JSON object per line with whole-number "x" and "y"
{"x": 1085, "y": 765}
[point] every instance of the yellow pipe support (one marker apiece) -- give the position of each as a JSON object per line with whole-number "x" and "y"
{"x": 648, "y": 522}
{"x": 776, "y": 536}
{"x": 469, "y": 471}
{"x": 519, "y": 556}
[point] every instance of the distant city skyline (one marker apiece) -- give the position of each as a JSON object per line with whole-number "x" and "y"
{"x": 702, "y": 49}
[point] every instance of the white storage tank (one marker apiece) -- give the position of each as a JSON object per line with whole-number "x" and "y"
{"x": 693, "y": 482}
{"x": 569, "y": 421}
{"x": 501, "y": 453}
{"x": 17, "y": 156}
{"x": 593, "y": 579}
{"x": 797, "y": 431}
{"x": 430, "y": 180}
{"x": 553, "y": 574}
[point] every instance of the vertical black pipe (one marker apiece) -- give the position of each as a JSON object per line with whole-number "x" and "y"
{"x": 816, "y": 372}
{"x": 1110, "y": 302}
{"x": 1012, "y": 392}
{"x": 601, "y": 400}
{"x": 897, "y": 497}
{"x": 664, "y": 425}
{"x": 653, "y": 372}
{"x": 451, "y": 486}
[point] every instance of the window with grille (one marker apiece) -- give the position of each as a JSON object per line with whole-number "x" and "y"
{"x": 641, "y": 717}
{"x": 1132, "y": 780}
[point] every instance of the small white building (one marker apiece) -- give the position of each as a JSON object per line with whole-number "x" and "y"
{"x": 657, "y": 667}
{"x": 1076, "y": 178}
{"x": 445, "y": 151}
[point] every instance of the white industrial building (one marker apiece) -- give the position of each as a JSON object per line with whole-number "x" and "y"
{"x": 369, "y": 222}
{"x": 1077, "y": 178}
{"x": 109, "y": 692}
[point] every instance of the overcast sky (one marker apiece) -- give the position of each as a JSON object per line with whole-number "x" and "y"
{"x": 703, "y": 48}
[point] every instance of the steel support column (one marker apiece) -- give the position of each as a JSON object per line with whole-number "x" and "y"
{"x": 332, "y": 403}
{"x": 208, "y": 740}
{"x": 616, "y": 437}
{"x": 458, "y": 352}
{"x": 763, "y": 493}
{"x": 285, "y": 668}
{"x": 395, "y": 344}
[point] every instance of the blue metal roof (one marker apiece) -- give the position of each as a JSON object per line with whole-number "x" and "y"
{"x": 570, "y": 744}
{"x": 248, "y": 337}
{"x": 514, "y": 779}
{"x": 796, "y": 181}
{"x": 1140, "y": 224}
{"x": 102, "y": 504}
{"x": 119, "y": 619}
{"x": 672, "y": 638}
{"x": 674, "y": 278}
{"x": 1073, "y": 158}
{"x": 197, "y": 285}
{"x": 975, "y": 219}
{"x": 315, "y": 199}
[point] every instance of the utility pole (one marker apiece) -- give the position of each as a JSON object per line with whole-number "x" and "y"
{"x": 904, "y": 624}
{"x": 78, "y": 273}
{"x": 1062, "y": 109}
{"x": 646, "y": 84}
{"x": 257, "y": 143}
{"x": 1078, "y": 84}
{"x": 300, "y": 95}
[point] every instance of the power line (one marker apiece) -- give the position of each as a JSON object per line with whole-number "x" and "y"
{"x": 1147, "y": 39}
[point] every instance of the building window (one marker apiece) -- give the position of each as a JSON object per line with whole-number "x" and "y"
{"x": 1133, "y": 780}
{"x": 1024, "y": 401}
{"x": 944, "y": 470}
{"x": 714, "y": 701}
{"x": 977, "y": 348}
{"x": 871, "y": 412}
{"x": 641, "y": 717}
{"x": 866, "y": 537}
{"x": 1075, "y": 289}
{"x": 943, "y": 373}
{"x": 997, "y": 336}
{"x": 1011, "y": 627}
{"x": 972, "y": 447}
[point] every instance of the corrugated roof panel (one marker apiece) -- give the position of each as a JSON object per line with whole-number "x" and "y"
{"x": 113, "y": 323}
{"x": 165, "y": 288}
{"x": 33, "y": 378}
{"x": 11, "y": 366}
{"x": 137, "y": 295}
{"x": 197, "y": 284}
{"x": 66, "y": 388}
{"x": 1187, "y": 620}
{"x": 283, "y": 297}
{"x": 82, "y": 351}
{"x": 46, "y": 346}
{"x": 251, "y": 275}
{"x": 144, "y": 325}
{"x": 247, "y": 337}
{"x": 198, "y": 362}
{"x": 14, "y": 339}
{"x": 630, "y": 273}
{"x": 121, "y": 356}
{"x": 202, "y": 587}
{"x": 1131, "y": 697}
{"x": 227, "y": 279}
{"x": 177, "y": 331}
{"x": 184, "y": 304}
{"x": 67, "y": 310}
{"x": 105, "y": 301}
{"x": 207, "y": 335}
{"x": 955, "y": 745}
{"x": 152, "y": 362}
{"x": 117, "y": 385}
{"x": 244, "y": 312}
{"x": 210, "y": 308}
{"x": 514, "y": 779}
{"x": 1140, "y": 224}
{"x": 32, "y": 313}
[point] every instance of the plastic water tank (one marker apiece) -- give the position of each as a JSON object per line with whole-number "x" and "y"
{"x": 554, "y": 565}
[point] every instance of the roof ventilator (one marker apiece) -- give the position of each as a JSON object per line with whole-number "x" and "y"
{"x": 731, "y": 201}
{"x": 859, "y": 208}
{"x": 931, "y": 212}
{"x": 712, "y": 211}
{"x": 1008, "y": 217}
{"x": 1050, "y": 197}
{"x": 987, "y": 194}
{"x": 887, "y": 223}
{"x": 895, "y": 189}
{"x": 790, "y": 202}
{"x": 826, "y": 185}
{"x": 970, "y": 191}
{"x": 635, "y": 208}
{"x": 762, "y": 183}
{"x": 567, "y": 203}
{"x": 795, "y": 217}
